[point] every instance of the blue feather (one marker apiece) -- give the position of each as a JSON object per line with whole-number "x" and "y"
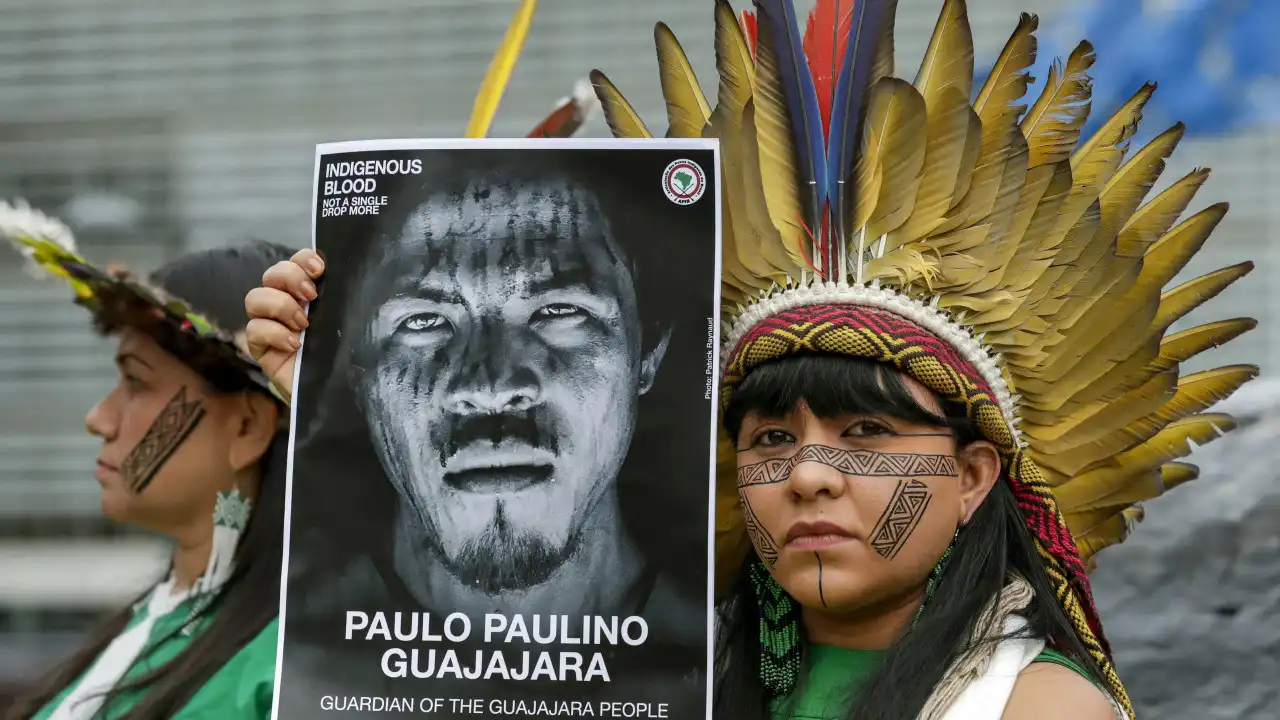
{"x": 802, "y": 102}
{"x": 846, "y": 110}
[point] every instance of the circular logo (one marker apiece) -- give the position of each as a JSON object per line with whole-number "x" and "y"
{"x": 684, "y": 182}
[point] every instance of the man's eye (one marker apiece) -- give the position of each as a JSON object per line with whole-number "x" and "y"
{"x": 423, "y": 322}
{"x": 558, "y": 310}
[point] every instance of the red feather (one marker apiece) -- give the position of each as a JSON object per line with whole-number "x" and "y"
{"x": 825, "y": 38}
{"x": 749, "y": 29}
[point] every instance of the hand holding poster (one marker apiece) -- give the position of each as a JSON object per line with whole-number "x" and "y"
{"x": 503, "y": 433}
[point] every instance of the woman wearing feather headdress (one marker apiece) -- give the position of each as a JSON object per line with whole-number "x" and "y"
{"x": 946, "y": 379}
{"x": 194, "y": 449}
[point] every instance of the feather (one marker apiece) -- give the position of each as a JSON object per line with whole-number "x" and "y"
{"x": 947, "y": 130}
{"x": 945, "y": 81}
{"x": 1195, "y": 393}
{"x": 742, "y": 263}
{"x": 896, "y": 149}
{"x": 769, "y": 181}
{"x": 733, "y": 62}
{"x": 1113, "y": 429}
{"x": 622, "y": 118}
{"x": 1097, "y": 340}
{"x": 1190, "y": 295}
{"x": 500, "y": 68}
{"x": 44, "y": 241}
{"x": 825, "y": 37}
{"x": 570, "y": 115}
{"x": 687, "y": 109}
{"x": 1009, "y": 78}
{"x": 780, "y": 161}
{"x": 1126, "y": 190}
{"x": 1137, "y": 489}
{"x": 1173, "y": 474}
{"x": 1053, "y": 435}
{"x": 866, "y": 60}
{"x": 1156, "y": 217}
{"x": 1185, "y": 345}
{"x": 1052, "y": 125}
{"x": 1107, "y": 533}
{"x": 1157, "y": 355}
{"x": 779, "y": 46}
{"x": 750, "y": 30}
{"x": 1085, "y": 239}
{"x": 1175, "y": 441}
{"x": 948, "y": 59}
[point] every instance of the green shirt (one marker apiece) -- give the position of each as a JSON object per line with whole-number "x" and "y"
{"x": 241, "y": 690}
{"x": 833, "y": 676}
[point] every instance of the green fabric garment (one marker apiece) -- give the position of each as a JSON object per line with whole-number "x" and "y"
{"x": 835, "y": 675}
{"x": 241, "y": 690}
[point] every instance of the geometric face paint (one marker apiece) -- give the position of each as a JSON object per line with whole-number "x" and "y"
{"x": 900, "y": 518}
{"x": 896, "y": 524}
{"x": 171, "y": 427}
{"x": 864, "y": 463}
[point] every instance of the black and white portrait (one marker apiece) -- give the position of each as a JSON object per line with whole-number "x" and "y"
{"x": 503, "y": 414}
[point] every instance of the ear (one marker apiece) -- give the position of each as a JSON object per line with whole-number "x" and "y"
{"x": 651, "y": 360}
{"x": 256, "y": 419}
{"x": 979, "y": 472}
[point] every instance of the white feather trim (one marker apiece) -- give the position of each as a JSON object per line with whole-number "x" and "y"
{"x": 19, "y": 220}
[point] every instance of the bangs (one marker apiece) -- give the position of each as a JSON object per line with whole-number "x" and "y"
{"x": 833, "y": 386}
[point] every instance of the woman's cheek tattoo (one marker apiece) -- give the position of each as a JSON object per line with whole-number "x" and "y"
{"x": 900, "y": 518}
{"x": 171, "y": 427}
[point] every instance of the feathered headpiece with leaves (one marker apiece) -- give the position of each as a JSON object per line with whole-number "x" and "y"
{"x": 980, "y": 245}
{"x": 118, "y": 299}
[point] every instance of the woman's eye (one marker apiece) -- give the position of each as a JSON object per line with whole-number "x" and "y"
{"x": 774, "y": 437}
{"x": 423, "y": 322}
{"x": 558, "y": 310}
{"x": 865, "y": 429}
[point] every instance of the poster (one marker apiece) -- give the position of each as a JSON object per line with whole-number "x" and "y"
{"x": 503, "y": 433}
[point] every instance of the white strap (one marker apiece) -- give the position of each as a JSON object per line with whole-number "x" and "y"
{"x": 83, "y": 702}
{"x": 986, "y": 697}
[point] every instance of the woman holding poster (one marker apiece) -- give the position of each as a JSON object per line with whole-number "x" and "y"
{"x": 193, "y": 448}
{"x": 945, "y": 382}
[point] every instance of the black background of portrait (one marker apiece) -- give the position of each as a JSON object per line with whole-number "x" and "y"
{"x": 341, "y": 499}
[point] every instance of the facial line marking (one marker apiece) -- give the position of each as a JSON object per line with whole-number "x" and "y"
{"x": 821, "y": 597}
{"x": 862, "y": 463}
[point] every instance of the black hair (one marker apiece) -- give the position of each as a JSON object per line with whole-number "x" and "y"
{"x": 214, "y": 283}
{"x": 994, "y": 544}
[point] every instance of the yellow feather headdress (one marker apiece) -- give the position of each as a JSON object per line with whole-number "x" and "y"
{"x": 981, "y": 245}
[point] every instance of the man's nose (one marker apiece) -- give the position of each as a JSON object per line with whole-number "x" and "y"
{"x": 498, "y": 374}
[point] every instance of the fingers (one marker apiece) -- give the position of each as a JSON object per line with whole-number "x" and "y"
{"x": 263, "y": 335}
{"x": 310, "y": 261}
{"x": 273, "y": 305}
{"x": 296, "y": 276}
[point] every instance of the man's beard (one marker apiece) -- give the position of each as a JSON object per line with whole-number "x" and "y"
{"x": 503, "y": 558}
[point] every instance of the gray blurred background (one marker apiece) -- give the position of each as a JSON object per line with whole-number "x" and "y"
{"x": 154, "y": 127}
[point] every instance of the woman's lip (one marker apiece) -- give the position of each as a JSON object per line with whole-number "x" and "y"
{"x": 817, "y": 542}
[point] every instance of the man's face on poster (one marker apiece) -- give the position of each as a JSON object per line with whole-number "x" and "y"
{"x": 506, "y": 366}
